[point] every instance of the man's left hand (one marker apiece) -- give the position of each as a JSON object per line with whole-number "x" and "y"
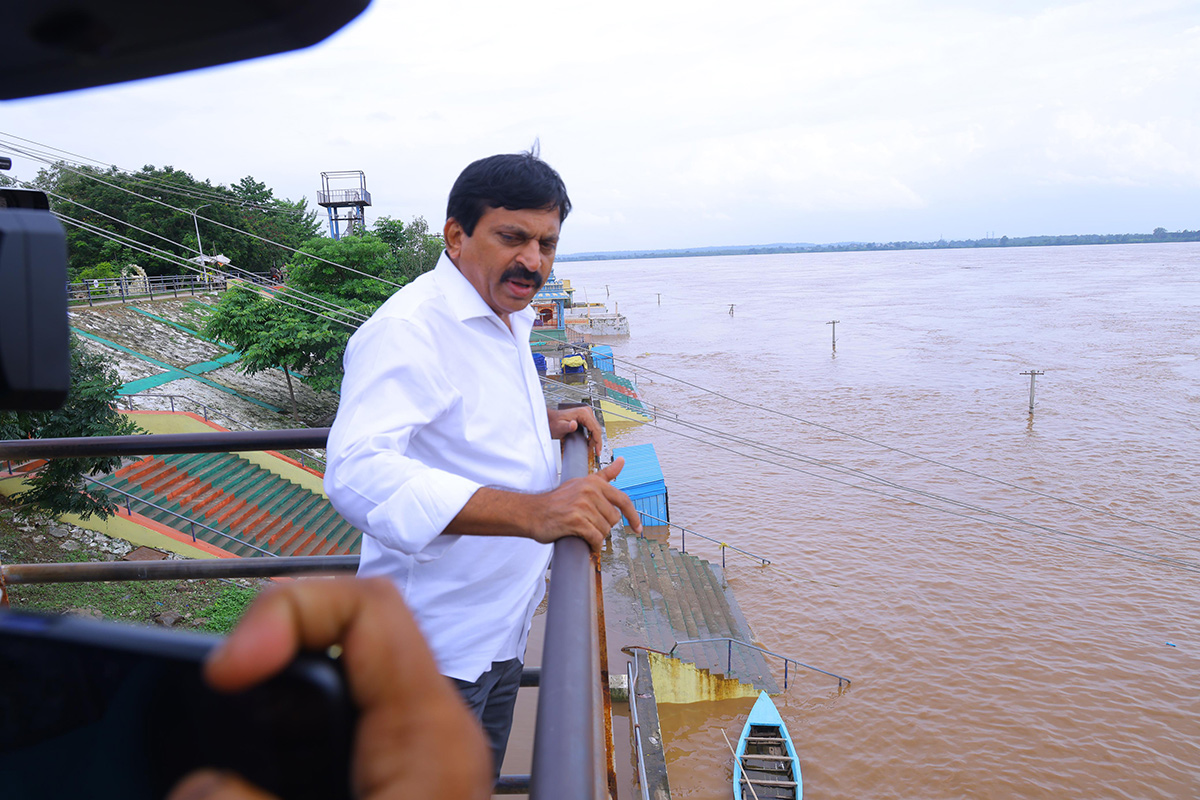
{"x": 568, "y": 420}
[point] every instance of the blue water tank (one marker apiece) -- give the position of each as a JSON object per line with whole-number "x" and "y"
{"x": 642, "y": 479}
{"x": 602, "y": 357}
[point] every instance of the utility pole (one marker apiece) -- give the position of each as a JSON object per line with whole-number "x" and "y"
{"x": 834, "y": 323}
{"x": 1032, "y": 380}
{"x": 200, "y": 247}
{"x": 731, "y": 309}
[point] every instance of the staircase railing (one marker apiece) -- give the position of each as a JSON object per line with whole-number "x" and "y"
{"x": 192, "y": 524}
{"x": 683, "y": 540}
{"x": 786, "y": 660}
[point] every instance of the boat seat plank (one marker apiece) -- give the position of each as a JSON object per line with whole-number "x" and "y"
{"x": 767, "y": 756}
{"x": 764, "y": 782}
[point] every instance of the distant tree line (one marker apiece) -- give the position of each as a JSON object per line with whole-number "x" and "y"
{"x": 1158, "y": 235}
{"x": 139, "y": 206}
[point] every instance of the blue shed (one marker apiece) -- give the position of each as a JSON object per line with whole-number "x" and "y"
{"x": 602, "y": 357}
{"x": 642, "y": 479}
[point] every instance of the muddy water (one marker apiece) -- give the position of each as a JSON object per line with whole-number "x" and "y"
{"x": 1015, "y": 596}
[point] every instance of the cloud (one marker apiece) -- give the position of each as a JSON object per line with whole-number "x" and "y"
{"x": 763, "y": 121}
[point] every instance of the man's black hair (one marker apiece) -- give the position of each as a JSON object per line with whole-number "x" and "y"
{"x": 514, "y": 181}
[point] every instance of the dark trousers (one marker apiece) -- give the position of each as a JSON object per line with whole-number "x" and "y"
{"x": 491, "y": 699}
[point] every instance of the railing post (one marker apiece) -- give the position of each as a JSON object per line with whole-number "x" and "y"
{"x": 785, "y": 666}
{"x": 729, "y": 666}
{"x": 564, "y": 746}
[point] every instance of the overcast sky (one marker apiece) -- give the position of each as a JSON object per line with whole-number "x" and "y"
{"x": 705, "y": 123}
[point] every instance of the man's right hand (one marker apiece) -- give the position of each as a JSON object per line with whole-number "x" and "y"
{"x": 586, "y": 507}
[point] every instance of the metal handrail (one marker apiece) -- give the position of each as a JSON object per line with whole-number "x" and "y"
{"x": 564, "y": 744}
{"x": 163, "y": 443}
{"x": 123, "y": 289}
{"x": 212, "y": 412}
{"x": 631, "y": 675}
{"x": 183, "y": 569}
{"x": 786, "y": 659}
{"x": 686, "y": 531}
{"x": 564, "y": 757}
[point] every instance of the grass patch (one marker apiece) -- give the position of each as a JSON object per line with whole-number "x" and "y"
{"x": 224, "y": 611}
{"x": 210, "y": 605}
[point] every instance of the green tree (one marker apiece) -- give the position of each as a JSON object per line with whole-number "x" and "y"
{"x": 414, "y": 248}
{"x": 271, "y": 333}
{"x": 124, "y": 204}
{"x": 331, "y": 286}
{"x": 89, "y": 410}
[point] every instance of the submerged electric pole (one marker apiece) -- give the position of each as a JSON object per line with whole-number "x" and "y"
{"x": 1033, "y": 373}
{"x": 834, "y": 323}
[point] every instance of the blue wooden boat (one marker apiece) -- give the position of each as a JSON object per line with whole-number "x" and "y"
{"x": 766, "y": 765}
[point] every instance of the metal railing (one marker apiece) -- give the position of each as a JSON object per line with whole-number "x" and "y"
{"x": 564, "y": 743}
{"x": 129, "y": 287}
{"x": 639, "y": 757}
{"x": 192, "y": 524}
{"x": 786, "y": 659}
{"x": 565, "y": 757}
{"x": 683, "y": 540}
{"x": 209, "y": 413}
{"x": 173, "y": 570}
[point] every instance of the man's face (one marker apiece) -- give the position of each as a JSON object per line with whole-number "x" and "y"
{"x": 509, "y": 256}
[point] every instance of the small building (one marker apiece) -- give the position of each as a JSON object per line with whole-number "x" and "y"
{"x": 642, "y": 479}
{"x": 548, "y": 304}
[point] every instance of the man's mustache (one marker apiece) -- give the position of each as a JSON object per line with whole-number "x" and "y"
{"x": 521, "y": 274}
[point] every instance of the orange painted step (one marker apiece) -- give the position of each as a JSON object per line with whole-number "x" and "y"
{"x": 283, "y": 530}
{"x": 230, "y": 509}
{"x": 215, "y": 508}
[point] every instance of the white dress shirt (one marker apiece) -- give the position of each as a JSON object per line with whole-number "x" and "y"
{"x": 439, "y": 399}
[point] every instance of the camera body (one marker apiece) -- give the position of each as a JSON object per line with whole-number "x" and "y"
{"x": 128, "y": 709}
{"x": 34, "y": 360}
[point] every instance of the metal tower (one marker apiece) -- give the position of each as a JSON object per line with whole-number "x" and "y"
{"x": 344, "y": 204}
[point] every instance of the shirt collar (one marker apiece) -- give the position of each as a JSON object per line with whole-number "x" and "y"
{"x": 466, "y": 303}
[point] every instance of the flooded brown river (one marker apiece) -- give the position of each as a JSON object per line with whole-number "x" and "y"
{"x": 1016, "y": 597}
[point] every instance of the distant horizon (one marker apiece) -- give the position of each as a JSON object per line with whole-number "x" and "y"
{"x": 1158, "y": 235}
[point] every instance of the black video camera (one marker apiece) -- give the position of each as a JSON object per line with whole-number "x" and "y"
{"x": 34, "y": 363}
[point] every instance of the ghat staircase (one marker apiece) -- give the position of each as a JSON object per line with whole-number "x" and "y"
{"x": 230, "y": 494}
{"x": 680, "y": 597}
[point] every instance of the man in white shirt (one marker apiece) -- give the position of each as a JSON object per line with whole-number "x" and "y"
{"x": 442, "y": 449}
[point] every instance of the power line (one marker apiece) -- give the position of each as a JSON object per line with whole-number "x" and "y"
{"x": 1019, "y": 524}
{"x": 232, "y": 228}
{"x": 890, "y": 448}
{"x": 171, "y": 257}
{"x": 46, "y": 154}
{"x": 709, "y": 431}
{"x": 328, "y": 304}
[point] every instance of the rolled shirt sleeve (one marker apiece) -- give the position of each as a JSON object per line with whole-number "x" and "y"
{"x": 374, "y": 478}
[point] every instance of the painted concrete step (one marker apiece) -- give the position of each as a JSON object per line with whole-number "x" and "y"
{"x": 682, "y": 597}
